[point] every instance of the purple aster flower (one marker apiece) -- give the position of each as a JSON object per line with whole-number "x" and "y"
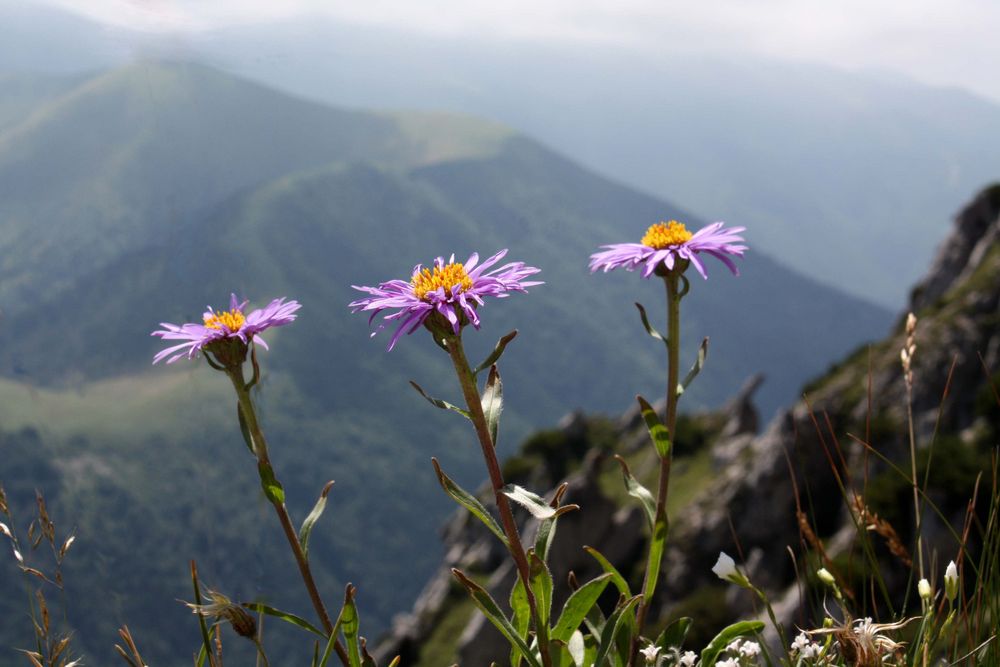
{"x": 231, "y": 325}
{"x": 666, "y": 242}
{"x": 450, "y": 289}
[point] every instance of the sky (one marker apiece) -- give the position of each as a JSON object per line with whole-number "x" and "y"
{"x": 939, "y": 42}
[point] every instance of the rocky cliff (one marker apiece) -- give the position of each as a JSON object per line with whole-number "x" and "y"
{"x": 782, "y": 499}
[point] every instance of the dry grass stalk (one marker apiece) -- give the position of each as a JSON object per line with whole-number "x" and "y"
{"x": 873, "y": 522}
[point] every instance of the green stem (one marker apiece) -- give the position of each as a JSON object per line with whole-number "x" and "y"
{"x": 672, "y": 281}
{"x": 473, "y": 401}
{"x": 264, "y": 462}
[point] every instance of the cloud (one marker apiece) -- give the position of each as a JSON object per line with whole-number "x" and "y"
{"x": 936, "y": 41}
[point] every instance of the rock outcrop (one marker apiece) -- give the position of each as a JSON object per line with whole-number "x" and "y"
{"x": 766, "y": 488}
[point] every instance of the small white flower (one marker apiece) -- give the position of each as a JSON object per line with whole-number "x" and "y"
{"x": 804, "y": 646}
{"x": 924, "y": 589}
{"x": 725, "y": 569}
{"x": 951, "y": 581}
{"x": 728, "y": 662}
{"x": 734, "y": 646}
{"x": 650, "y": 653}
{"x": 688, "y": 659}
{"x": 750, "y": 649}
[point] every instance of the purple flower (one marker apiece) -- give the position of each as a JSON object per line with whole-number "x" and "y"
{"x": 224, "y": 325}
{"x": 666, "y": 242}
{"x": 450, "y": 289}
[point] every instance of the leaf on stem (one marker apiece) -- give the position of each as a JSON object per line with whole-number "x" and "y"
{"x": 547, "y": 527}
{"x": 576, "y": 607}
{"x": 272, "y": 487}
{"x": 659, "y": 433}
{"x": 616, "y": 578}
{"x": 492, "y": 401}
{"x": 650, "y": 329}
{"x": 638, "y": 491}
{"x": 699, "y": 363}
{"x": 350, "y": 624}
{"x": 534, "y": 503}
{"x": 673, "y": 635}
{"x": 314, "y": 515}
{"x": 724, "y": 638}
{"x": 615, "y": 623}
{"x": 495, "y": 355}
{"x": 541, "y": 586}
{"x": 657, "y": 542}
{"x": 520, "y": 618}
{"x": 245, "y": 429}
{"x": 298, "y": 621}
{"x": 468, "y": 501}
{"x": 437, "y": 402}
{"x": 489, "y": 607}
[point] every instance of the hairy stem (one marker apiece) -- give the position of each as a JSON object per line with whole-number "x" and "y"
{"x": 672, "y": 281}
{"x": 264, "y": 462}
{"x": 474, "y": 403}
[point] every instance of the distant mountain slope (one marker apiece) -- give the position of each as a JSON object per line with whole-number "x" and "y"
{"x": 124, "y": 158}
{"x": 369, "y": 197}
{"x": 823, "y": 163}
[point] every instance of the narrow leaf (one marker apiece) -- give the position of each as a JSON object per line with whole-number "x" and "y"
{"x": 576, "y": 607}
{"x": 541, "y": 586}
{"x": 314, "y": 515}
{"x": 637, "y": 490}
{"x": 270, "y": 484}
{"x": 492, "y": 401}
{"x": 673, "y": 635}
{"x": 611, "y": 629}
{"x": 437, "y": 402}
{"x": 520, "y": 618}
{"x": 698, "y": 365}
{"x": 534, "y": 503}
{"x": 206, "y": 644}
{"x": 616, "y": 578}
{"x": 489, "y": 607}
{"x": 657, "y": 431}
{"x": 649, "y": 327}
{"x": 657, "y": 541}
{"x": 469, "y": 502}
{"x": 350, "y": 624}
{"x": 559, "y": 654}
{"x": 262, "y": 608}
{"x": 245, "y": 430}
{"x": 724, "y": 638}
{"x": 495, "y": 355}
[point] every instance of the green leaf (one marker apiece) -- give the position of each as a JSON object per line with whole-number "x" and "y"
{"x": 521, "y": 618}
{"x": 492, "y": 401}
{"x": 245, "y": 429}
{"x": 657, "y": 431}
{"x": 698, "y": 365}
{"x": 637, "y": 490}
{"x": 438, "y": 403}
{"x": 649, "y": 327}
{"x": 314, "y": 515}
{"x": 534, "y": 503}
{"x": 724, "y": 638}
{"x": 547, "y": 527}
{"x": 350, "y": 624}
{"x": 576, "y": 607}
{"x": 541, "y": 586}
{"x": 469, "y": 502}
{"x": 560, "y": 655}
{"x": 611, "y": 629}
{"x": 489, "y": 607}
{"x": 270, "y": 484}
{"x": 674, "y": 634}
{"x": 616, "y": 578}
{"x": 262, "y": 608}
{"x": 657, "y": 542}
{"x": 495, "y": 355}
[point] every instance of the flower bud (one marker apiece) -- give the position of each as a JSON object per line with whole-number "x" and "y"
{"x": 924, "y": 589}
{"x": 725, "y": 569}
{"x": 825, "y": 576}
{"x": 951, "y": 582}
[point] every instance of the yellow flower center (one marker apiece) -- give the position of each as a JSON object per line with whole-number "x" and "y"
{"x": 448, "y": 276}
{"x": 231, "y": 320}
{"x": 665, "y": 234}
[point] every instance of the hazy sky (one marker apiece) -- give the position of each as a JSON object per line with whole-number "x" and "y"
{"x": 950, "y": 42}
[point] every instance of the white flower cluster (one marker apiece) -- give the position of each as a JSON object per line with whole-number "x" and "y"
{"x": 805, "y": 647}
{"x": 688, "y": 659}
